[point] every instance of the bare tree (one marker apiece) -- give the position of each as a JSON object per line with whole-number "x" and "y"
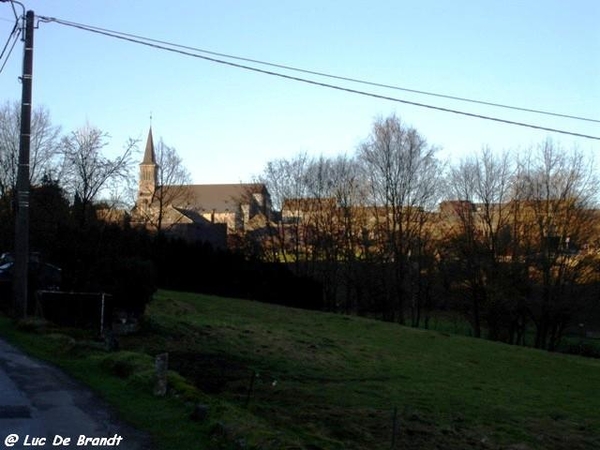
{"x": 286, "y": 182}
{"x": 86, "y": 171}
{"x": 404, "y": 177}
{"x": 322, "y": 219}
{"x": 172, "y": 176}
{"x": 43, "y": 149}
{"x": 557, "y": 190}
{"x": 322, "y": 225}
{"x": 482, "y": 186}
{"x": 323, "y": 222}
{"x": 349, "y": 189}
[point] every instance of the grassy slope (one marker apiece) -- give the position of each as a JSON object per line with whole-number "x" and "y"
{"x": 333, "y": 382}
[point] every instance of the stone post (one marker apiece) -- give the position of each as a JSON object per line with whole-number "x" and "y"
{"x": 161, "y": 365}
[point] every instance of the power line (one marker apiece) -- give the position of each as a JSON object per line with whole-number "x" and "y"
{"x": 10, "y": 36}
{"x": 14, "y": 34}
{"x": 326, "y": 75}
{"x": 12, "y": 4}
{"x": 169, "y": 47}
{"x": 14, "y": 10}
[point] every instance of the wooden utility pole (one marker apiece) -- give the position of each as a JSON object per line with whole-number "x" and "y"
{"x": 20, "y": 276}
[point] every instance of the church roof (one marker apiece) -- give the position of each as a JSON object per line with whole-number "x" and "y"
{"x": 193, "y": 216}
{"x": 219, "y": 197}
{"x": 149, "y": 157}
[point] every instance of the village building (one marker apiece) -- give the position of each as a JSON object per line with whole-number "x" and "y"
{"x": 201, "y": 212}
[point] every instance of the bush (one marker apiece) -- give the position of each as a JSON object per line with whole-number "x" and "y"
{"x": 584, "y": 349}
{"x": 126, "y": 364}
{"x": 131, "y": 281}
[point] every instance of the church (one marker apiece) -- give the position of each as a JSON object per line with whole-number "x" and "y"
{"x": 211, "y": 213}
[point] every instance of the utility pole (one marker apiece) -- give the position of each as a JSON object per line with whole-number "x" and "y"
{"x": 20, "y": 277}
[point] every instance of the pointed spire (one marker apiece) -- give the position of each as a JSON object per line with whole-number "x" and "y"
{"x": 148, "y": 173}
{"x": 149, "y": 157}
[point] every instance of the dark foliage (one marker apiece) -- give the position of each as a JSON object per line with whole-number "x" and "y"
{"x": 131, "y": 263}
{"x": 583, "y": 349}
{"x": 131, "y": 281}
{"x": 197, "y": 267}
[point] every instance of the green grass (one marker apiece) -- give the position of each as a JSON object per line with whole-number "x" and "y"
{"x": 572, "y": 341}
{"x": 333, "y": 382}
{"x": 123, "y": 385}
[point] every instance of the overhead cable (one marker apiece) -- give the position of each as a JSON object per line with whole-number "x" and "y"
{"x": 12, "y": 4}
{"x": 328, "y": 75}
{"x": 14, "y": 35}
{"x": 14, "y": 10}
{"x": 175, "y": 48}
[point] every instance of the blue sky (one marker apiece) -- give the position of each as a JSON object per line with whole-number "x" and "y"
{"x": 227, "y": 123}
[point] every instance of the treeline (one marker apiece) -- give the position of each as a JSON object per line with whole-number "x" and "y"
{"x": 75, "y": 186}
{"x": 130, "y": 263}
{"x": 508, "y": 240}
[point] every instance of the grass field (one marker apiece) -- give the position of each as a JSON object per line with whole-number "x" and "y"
{"x": 280, "y": 378}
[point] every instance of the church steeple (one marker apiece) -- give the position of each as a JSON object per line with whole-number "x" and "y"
{"x": 148, "y": 173}
{"x": 149, "y": 157}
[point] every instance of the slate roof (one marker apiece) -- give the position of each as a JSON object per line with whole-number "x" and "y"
{"x": 218, "y": 197}
{"x": 149, "y": 156}
{"x": 193, "y": 216}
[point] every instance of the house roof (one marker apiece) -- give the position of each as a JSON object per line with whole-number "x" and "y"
{"x": 308, "y": 204}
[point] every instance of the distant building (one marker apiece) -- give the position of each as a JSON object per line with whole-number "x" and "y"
{"x": 202, "y": 212}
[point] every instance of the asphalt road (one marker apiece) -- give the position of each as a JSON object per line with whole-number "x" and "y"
{"x": 41, "y": 407}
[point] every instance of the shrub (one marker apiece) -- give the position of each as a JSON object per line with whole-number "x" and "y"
{"x": 131, "y": 281}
